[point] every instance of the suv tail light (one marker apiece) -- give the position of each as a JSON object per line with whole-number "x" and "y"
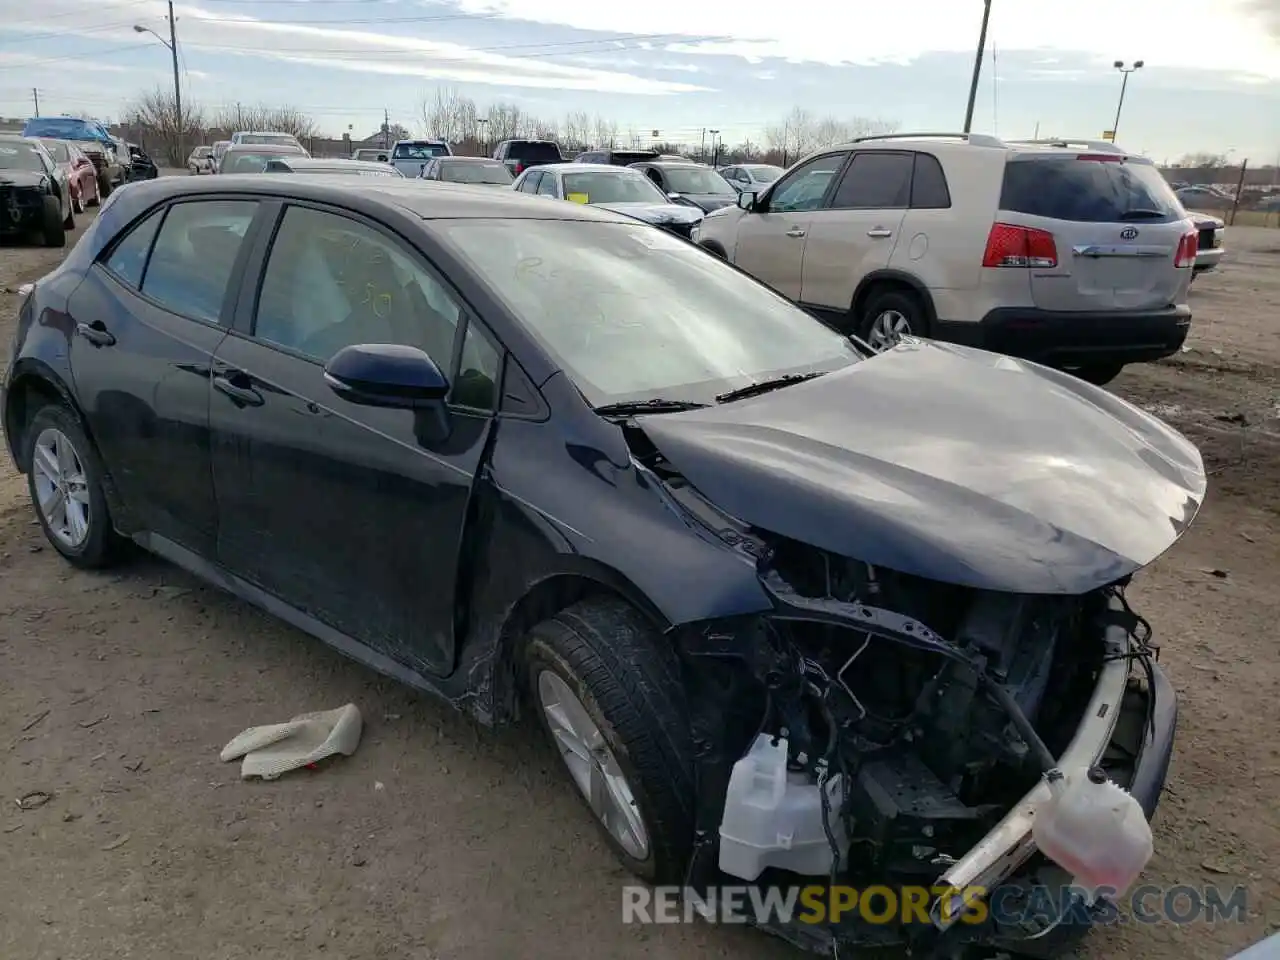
{"x": 1013, "y": 246}
{"x": 1187, "y": 246}
{"x": 519, "y": 167}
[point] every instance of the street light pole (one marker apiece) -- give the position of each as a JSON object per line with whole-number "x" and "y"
{"x": 172, "y": 44}
{"x": 977, "y": 65}
{"x": 1137, "y": 65}
{"x": 715, "y": 147}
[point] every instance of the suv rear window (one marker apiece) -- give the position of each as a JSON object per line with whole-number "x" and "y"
{"x": 622, "y": 158}
{"x": 532, "y": 150}
{"x": 419, "y": 150}
{"x": 1088, "y": 190}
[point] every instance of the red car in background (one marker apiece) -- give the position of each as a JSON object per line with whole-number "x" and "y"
{"x": 80, "y": 173}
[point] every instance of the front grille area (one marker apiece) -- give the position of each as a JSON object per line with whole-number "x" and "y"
{"x": 99, "y": 161}
{"x": 18, "y": 205}
{"x": 1206, "y": 239}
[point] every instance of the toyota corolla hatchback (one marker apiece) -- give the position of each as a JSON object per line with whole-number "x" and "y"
{"x": 754, "y": 581}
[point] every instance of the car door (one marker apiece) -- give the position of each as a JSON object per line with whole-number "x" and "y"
{"x": 149, "y": 315}
{"x": 855, "y": 231}
{"x": 348, "y": 513}
{"x": 771, "y": 237}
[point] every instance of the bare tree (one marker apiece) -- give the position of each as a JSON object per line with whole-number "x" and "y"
{"x": 155, "y": 116}
{"x": 577, "y": 131}
{"x": 451, "y": 116}
{"x": 606, "y": 131}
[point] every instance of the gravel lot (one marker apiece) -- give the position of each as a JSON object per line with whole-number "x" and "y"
{"x": 440, "y": 839}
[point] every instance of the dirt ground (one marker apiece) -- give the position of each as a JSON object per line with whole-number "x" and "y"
{"x": 439, "y": 839}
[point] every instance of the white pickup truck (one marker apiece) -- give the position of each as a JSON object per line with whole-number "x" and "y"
{"x": 410, "y": 156}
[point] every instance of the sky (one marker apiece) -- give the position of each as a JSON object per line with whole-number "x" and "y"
{"x": 1210, "y": 80}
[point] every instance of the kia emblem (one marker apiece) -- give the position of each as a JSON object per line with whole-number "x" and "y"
{"x": 1129, "y": 233}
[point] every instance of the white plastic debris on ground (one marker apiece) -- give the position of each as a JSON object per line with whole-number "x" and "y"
{"x": 277, "y": 748}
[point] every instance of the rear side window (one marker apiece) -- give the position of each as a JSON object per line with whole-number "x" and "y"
{"x": 129, "y": 258}
{"x": 195, "y": 254}
{"x": 875, "y": 181}
{"x": 536, "y": 152}
{"x": 530, "y": 182}
{"x": 929, "y": 185}
{"x": 1088, "y": 191}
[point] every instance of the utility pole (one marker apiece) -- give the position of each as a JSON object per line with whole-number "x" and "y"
{"x": 702, "y": 151}
{"x": 715, "y": 147}
{"x": 177, "y": 88}
{"x": 1137, "y": 65}
{"x": 386, "y": 129}
{"x": 35, "y": 95}
{"x": 977, "y": 66}
{"x": 1036, "y": 135}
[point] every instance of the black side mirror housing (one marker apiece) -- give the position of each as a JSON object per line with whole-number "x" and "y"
{"x": 386, "y": 375}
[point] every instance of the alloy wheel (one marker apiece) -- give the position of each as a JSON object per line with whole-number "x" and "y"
{"x": 887, "y": 329}
{"x": 62, "y": 488}
{"x": 592, "y": 764}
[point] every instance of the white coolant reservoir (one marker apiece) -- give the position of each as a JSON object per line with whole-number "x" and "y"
{"x": 773, "y": 817}
{"x": 1094, "y": 829}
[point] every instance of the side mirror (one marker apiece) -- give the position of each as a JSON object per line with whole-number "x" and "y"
{"x": 746, "y": 199}
{"x": 673, "y": 196}
{"x": 386, "y": 375}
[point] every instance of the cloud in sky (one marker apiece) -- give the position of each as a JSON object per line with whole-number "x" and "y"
{"x": 363, "y": 49}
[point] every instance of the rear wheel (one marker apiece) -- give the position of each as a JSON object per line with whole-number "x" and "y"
{"x": 77, "y": 202}
{"x": 104, "y": 185}
{"x": 52, "y": 230}
{"x": 889, "y": 315}
{"x": 607, "y": 690}
{"x": 95, "y": 198}
{"x": 1099, "y": 374}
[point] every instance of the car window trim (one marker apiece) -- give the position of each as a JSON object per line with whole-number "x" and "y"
{"x": 246, "y": 318}
{"x": 909, "y": 155}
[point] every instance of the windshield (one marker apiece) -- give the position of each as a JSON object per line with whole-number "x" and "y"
{"x": 633, "y": 313}
{"x": 605, "y": 186}
{"x": 696, "y": 180}
{"x": 284, "y": 139}
{"x": 58, "y": 151}
{"x": 63, "y": 128}
{"x": 16, "y": 155}
{"x": 246, "y": 162}
{"x": 419, "y": 151}
{"x": 764, "y": 174}
{"x": 369, "y": 171}
{"x": 468, "y": 172}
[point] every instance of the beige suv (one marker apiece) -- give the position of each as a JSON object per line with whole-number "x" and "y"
{"x": 1071, "y": 253}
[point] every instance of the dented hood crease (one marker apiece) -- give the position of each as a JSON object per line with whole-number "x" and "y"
{"x": 948, "y": 463}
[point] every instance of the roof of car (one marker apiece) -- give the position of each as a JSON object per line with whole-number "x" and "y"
{"x": 456, "y": 159}
{"x": 666, "y": 164}
{"x": 285, "y": 148}
{"x": 338, "y": 163}
{"x": 430, "y": 201}
{"x": 574, "y": 167}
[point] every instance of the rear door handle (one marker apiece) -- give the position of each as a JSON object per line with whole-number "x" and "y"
{"x": 795, "y": 232}
{"x": 879, "y": 232}
{"x": 240, "y": 394}
{"x": 96, "y": 333}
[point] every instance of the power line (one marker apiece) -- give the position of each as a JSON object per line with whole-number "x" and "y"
{"x": 75, "y": 32}
{"x": 111, "y": 51}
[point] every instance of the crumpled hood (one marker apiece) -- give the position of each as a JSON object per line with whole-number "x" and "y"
{"x": 948, "y": 463}
{"x": 656, "y": 213}
{"x": 22, "y": 178}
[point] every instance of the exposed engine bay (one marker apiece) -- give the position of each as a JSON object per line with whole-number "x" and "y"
{"x": 912, "y": 715}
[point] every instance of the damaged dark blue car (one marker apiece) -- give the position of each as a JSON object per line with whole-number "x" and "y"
{"x": 538, "y": 457}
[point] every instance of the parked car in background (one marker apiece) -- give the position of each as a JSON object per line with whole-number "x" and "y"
{"x": 1211, "y": 234}
{"x": 694, "y": 184}
{"x": 373, "y": 154}
{"x": 35, "y": 193}
{"x": 144, "y": 168}
{"x": 310, "y": 165}
{"x": 94, "y": 140}
{"x": 219, "y": 149}
{"x": 751, "y": 176}
{"x": 253, "y": 157}
{"x": 520, "y": 155}
{"x": 1071, "y": 253}
{"x": 480, "y": 170}
{"x": 410, "y": 156}
{"x": 546, "y": 462}
{"x": 265, "y": 137}
{"x": 614, "y": 188}
{"x": 124, "y": 157}
{"x": 200, "y": 161}
{"x": 82, "y": 178}
{"x": 1204, "y": 198}
{"x": 617, "y": 158}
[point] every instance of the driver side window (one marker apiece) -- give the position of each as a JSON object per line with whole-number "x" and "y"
{"x": 331, "y": 282}
{"x": 548, "y": 185}
{"x": 804, "y": 188}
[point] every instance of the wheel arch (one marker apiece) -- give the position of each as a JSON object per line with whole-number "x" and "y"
{"x": 890, "y": 279}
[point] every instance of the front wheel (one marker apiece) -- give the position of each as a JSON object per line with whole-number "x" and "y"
{"x": 104, "y": 185}
{"x": 52, "y": 230}
{"x": 1099, "y": 374}
{"x": 96, "y": 199}
{"x": 890, "y": 315}
{"x": 64, "y": 478}
{"x": 606, "y": 686}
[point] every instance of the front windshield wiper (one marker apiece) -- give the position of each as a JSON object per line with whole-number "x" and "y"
{"x": 764, "y": 386}
{"x": 652, "y": 405}
{"x": 1141, "y": 214}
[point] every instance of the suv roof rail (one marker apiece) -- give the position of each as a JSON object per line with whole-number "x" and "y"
{"x": 1104, "y": 146}
{"x": 977, "y": 139}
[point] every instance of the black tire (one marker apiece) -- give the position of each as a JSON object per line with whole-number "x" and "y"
{"x": 70, "y": 222}
{"x": 902, "y": 302}
{"x": 96, "y": 199}
{"x": 626, "y": 675}
{"x": 52, "y": 230}
{"x": 712, "y": 247}
{"x": 104, "y": 185}
{"x": 77, "y": 203}
{"x": 102, "y": 545}
{"x": 1099, "y": 374}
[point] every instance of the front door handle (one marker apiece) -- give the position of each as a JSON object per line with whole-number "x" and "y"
{"x": 879, "y": 232}
{"x": 96, "y": 333}
{"x": 240, "y": 394}
{"x": 795, "y": 232}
